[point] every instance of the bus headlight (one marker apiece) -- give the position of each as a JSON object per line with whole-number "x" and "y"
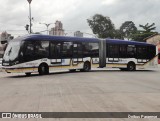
{"x": 5, "y": 64}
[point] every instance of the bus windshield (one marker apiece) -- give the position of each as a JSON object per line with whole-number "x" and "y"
{"x": 12, "y": 51}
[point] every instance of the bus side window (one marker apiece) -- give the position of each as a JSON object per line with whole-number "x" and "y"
{"x": 90, "y": 49}
{"x": 67, "y": 48}
{"x": 41, "y": 49}
{"x": 122, "y": 51}
{"x": 141, "y": 52}
{"x": 94, "y": 49}
{"x": 152, "y": 52}
{"x": 113, "y": 51}
{"x": 77, "y": 50}
{"x": 55, "y": 50}
{"x": 86, "y": 49}
{"x": 29, "y": 51}
{"x": 131, "y": 51}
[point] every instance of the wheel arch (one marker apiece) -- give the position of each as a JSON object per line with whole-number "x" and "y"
{"x": 132, "y": 62}
{"x": 87, "y": 62}
{"x": 43, "y": 63}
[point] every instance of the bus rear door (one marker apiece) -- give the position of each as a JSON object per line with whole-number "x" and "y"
{"x": 55, "y": 53}
{"x": 77, "y": 53}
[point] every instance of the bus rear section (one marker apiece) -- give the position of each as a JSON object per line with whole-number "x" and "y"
{"x": 127, "y": 55}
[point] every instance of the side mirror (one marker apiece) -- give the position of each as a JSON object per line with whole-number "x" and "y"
{"x": 4, "y": 42}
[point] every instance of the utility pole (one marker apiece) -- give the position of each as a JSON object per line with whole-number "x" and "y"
{"x": 30, "y": 19}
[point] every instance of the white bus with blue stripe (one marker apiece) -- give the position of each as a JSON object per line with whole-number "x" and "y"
{"x": 43, "y": 54}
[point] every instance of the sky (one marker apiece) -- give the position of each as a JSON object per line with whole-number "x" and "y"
{"x": 74, "y": 13}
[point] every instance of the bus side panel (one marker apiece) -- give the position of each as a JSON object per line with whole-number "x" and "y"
{"x": 153, "y": 63}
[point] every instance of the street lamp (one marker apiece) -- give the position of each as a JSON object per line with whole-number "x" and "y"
{"x": 30, "y": 19}
{"x": 47, "y": 25}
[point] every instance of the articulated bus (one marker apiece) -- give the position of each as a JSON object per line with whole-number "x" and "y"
{"x": 43, "y": 53}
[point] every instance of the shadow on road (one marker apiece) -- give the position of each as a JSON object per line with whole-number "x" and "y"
{"x": 78, "y": 72}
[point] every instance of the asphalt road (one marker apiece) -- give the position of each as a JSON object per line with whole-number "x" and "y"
{"x": 95, "y": 91}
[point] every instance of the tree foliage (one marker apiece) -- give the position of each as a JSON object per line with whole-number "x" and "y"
{"x": 147, "y": 31}
{"x": 102, "y": 26}
{"x": 118, "y": 34}
{"x": 147, "y": 27}
{"x": 127, "y": 29}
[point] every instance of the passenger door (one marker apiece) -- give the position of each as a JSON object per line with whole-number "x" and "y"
{"x": 142, "y": 54}
{"x": 55, "y": 53}
{"x": 113, "y": 53}
{"x": 77, "y": 53}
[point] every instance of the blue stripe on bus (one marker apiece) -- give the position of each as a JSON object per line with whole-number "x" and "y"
{"x": 117, "y": 41}
{"x": 59, "y": 38}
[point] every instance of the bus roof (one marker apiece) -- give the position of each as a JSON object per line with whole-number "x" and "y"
{"x": 118, "y": 41}
{"x": 67, "y": 38}
{"x": 50, "y": 38}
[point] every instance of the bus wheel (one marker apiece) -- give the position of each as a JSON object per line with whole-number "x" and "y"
{"x": 131, "y": 66}
{"x": 43, "y": 69}
{"x": 86, "y": 67}
{"x": 123, "y": 69}
{"x": 28, "y": 74}
{"x": 72, "y": 70}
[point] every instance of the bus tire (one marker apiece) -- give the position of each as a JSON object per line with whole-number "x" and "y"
{"x": 72, "y": 70}
{"x": 131, "y": 66}
{"x": 28, "y": 74}
{"x": 43, "y": 69}
{"x": 123, "y": 69}
{"x": 86, "y": 67}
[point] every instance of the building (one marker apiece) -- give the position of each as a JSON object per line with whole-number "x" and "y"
{"x": 57, "y": 30}
{"x": 78, "y": 34}
{"x": 4, "y": 39}
{"x": 154, "y": 39}
{"x": 4, "y": 36}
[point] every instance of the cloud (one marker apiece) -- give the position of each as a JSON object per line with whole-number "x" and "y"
{"x": 109, "y": 2}
{"x": 73, "y": 13}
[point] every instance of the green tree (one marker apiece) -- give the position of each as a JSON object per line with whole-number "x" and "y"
{"x": 118, "y": 34}
{"x": 147, "y": 27}
{"x": 146, "y": 32}
{"x": 127, "y": 29}
{"x": 102, "y": 26}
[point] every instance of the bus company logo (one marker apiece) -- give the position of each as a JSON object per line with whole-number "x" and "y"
{"x": 6, "y": 115}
